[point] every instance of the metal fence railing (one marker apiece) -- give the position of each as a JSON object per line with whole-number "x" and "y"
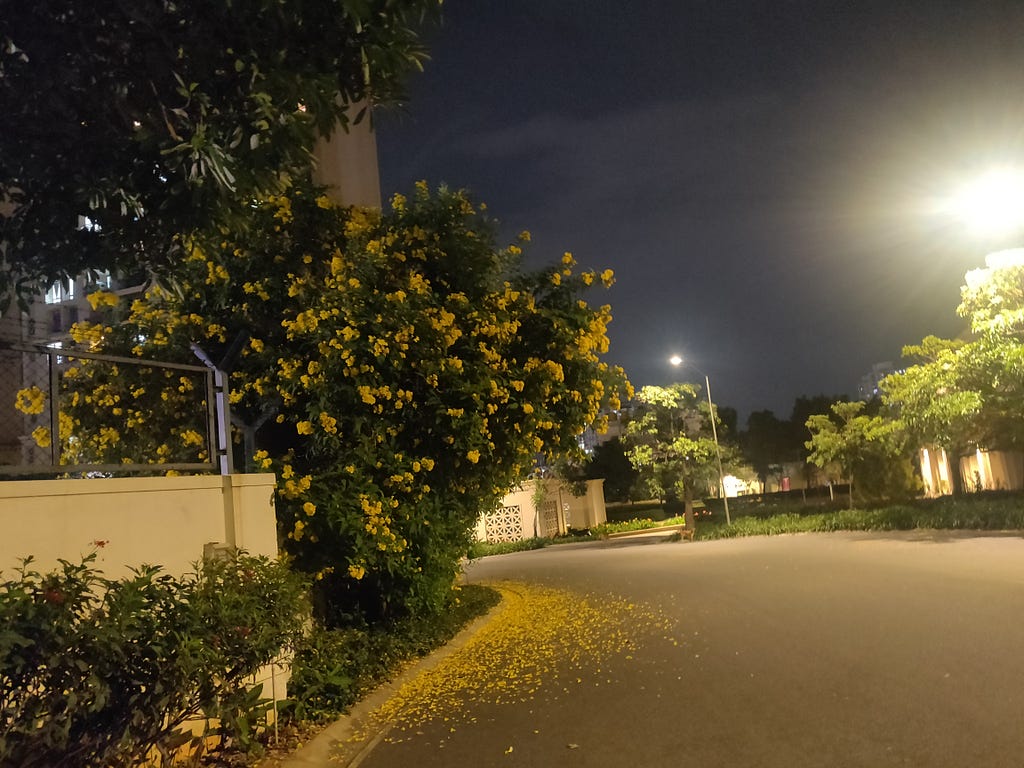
{"x": 72, "y": 412}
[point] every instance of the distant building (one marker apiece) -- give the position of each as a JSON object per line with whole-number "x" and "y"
{"x": 868, "y": 386}
{"x": 590, "y": 438}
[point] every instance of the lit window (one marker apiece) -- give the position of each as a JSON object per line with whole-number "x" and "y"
{"x": 59, "y": 359}
{"x": 84, "y": 222}
{"x": 59, "y": 292}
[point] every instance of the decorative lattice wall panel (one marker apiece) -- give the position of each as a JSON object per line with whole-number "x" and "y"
{"x": 549, "y": 516}
{"x": 504, "y": 524}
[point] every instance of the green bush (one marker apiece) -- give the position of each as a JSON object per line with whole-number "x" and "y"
{"x": 483, "y": 549}
{"x": 617, "y": 513}
{"x": 100, "y": 672}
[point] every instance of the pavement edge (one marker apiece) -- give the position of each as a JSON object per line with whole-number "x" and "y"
{"x": 322, "y": 749}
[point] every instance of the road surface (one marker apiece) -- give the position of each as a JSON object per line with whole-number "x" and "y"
{"x": 842, "y": 649}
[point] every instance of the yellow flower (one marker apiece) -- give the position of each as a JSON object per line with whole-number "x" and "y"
{"x": 356, "y": 572}
{"x": 262, "y": 459}
{"x": 527, "y": 408}
{"x": 31, "y": 401}
{"x": 607, "y": 278}
{"x": 102, "y": 299}
{"x": 556, "y": 279}
{"x": 304, "y": 428}
{"x": 473, "y": 456}
{"x": 191, "y": 437}
{"x": 329, "y": 423}
{"x": 42, "y": 436}
{"x": 309, "y": 508}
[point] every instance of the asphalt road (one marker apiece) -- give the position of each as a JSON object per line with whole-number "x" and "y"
{"x": 811, "y": 650}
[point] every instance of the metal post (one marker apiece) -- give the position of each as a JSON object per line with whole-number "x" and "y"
{"x": 54, "y": 371}
{"x": 718, "y": 451}
{"x": 220, "y": 383}
{"x": 223, "y": 412}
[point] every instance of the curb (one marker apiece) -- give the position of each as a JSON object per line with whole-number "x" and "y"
{"x": 327, "y": 748}
{"x": 660, "y": 529}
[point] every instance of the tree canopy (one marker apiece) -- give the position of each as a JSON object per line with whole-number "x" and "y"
{"x": 670, "y": 441}
{"x": 124, "y": 124}
{"x": 765, "y": 443}
{"x": 867, "y": 450}
{"x": 610, "y": 463}
{"x": 965, "y": 394}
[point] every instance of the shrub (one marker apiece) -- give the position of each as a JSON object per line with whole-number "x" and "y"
{"x": 635, "y": 525}
{"x": 100, "y": 672}
{"x": 483, "y": 548}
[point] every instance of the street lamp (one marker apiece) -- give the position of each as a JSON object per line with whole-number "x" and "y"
{"x": 992, "y": 205}
{"x": 676, "y": 360}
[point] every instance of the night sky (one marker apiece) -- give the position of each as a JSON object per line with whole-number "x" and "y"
{"x": 763, "y": 177}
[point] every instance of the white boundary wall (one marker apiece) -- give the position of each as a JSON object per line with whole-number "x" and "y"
{"x": 570, "y": 511}
{"x": 166, "y": 521}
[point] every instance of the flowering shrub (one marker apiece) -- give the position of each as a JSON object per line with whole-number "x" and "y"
{"x": 99, "y": 672}
{"x": 398, "y": 372}
{"x": 116, "y": 413}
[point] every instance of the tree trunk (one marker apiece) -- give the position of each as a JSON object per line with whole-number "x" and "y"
{"x": 691, "y": 522}
{"x": 956, "y": 481}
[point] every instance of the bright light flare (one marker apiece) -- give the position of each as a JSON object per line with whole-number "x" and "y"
{"x": 993, "y": 204}
{"x": 676, "y": 360}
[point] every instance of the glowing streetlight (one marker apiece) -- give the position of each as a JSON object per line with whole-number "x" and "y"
{"x": 676, "y": 360}
{"x": 991, "y": 205}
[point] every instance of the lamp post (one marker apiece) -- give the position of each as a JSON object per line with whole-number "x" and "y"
{"x": 676, "y": 360}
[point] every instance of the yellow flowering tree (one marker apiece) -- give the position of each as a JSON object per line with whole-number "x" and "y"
{"x": 398, "y": 371}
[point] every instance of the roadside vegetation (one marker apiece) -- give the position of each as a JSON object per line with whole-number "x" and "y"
{"x": 334, "y": 668}
{"x": 111, "y": 672}
{"x": 151, "y": 668}
{"x": 483, "y": 548}
{"x": 983, "y": 512}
